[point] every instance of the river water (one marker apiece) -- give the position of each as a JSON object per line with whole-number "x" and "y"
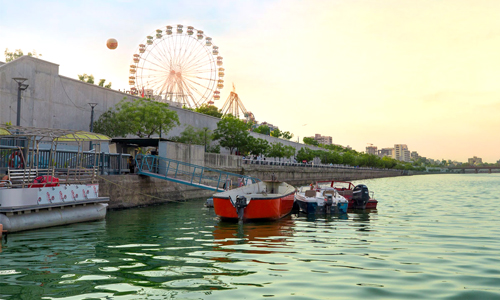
{"x": 432, "y": 237}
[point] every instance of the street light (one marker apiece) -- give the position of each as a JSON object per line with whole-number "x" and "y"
{"x": 206, "y": 139}
{"x": 92, "y": 105}
{"x": 20, "y": 87}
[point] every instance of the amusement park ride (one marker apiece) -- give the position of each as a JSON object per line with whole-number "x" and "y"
{"x": 178, "y": 64}
{"x": 181, "y": 65}
{"x": 234, "y": 106}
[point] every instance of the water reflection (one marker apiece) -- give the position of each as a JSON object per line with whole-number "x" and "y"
{"x": 362, "y": 219}
{"x": 261, "y": 237}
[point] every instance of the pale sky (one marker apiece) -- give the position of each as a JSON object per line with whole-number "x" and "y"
{"x": 422, "y": 73}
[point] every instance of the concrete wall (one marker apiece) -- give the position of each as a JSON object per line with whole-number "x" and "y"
{"x": 220, "y": 161}
{"x": 127, "y": 191}
{"x": 51, "y": 101}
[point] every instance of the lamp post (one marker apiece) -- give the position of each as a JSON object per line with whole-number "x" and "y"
{"x": 20, "y": 87}
{"x": 92, "y": 105}
{"x": 206, "y": 139}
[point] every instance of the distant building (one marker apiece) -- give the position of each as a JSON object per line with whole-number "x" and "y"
{"x": 475, "y": 160}
{"x": 400, "y": 154}
{"x": 414, "y": 155}
{"x": 326, "y": 140}
{"x": 386, "y": 152}
{"x": 406, "y": 156}
{"x": 371, "y": 150}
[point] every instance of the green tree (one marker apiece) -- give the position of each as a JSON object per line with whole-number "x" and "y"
{"x": 276, "y": 150}
{"x": 231, "y": 133}
{"x": 255, "y": 146}
{"x": 141, "y": 117}
{"x": 310, "y": 141}
{"x": 210, "y": 110}
{"x": 263, "y": 129}
{"x": 259, "y": 146}
{"x": 10, "y": 56}
{"x": 86, "y": 78}
{"x": 106, "y": 124}
{"x": 305, "y": 154}
{"x": 90, "y": 79}
{"x": 286, "y": 135}
{"x": 101, "y": 83}
{"x": 196, "y": 136}
{"x": 276, "y": 133}
{"x": 349, "y": 159}
{"x": 289, "y": 151}
{"x": 388, "y": 162}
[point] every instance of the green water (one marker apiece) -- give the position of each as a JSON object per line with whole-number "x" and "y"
{"x": 433, "y": 237}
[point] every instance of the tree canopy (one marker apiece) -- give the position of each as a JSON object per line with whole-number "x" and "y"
{"x": 90, "y": 79}
{"x": 141, "y": 117}
{"x": 10, "y": 56}
{"x": 262, "y": 129}
{"x": 231, "y": 132}
{"x": 210, "y": 110}
{"x": 310, "y": 141}
{"x": 196, "y": 136}
{"x": 280, "y": 150}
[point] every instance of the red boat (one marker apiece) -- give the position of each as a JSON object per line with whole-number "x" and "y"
{"x": 262, "y": 200}
{"x": 358, "y": 196}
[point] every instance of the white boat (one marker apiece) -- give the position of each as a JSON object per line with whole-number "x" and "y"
{"x": 39, "y": 190}
{"x": 318, "y": 199}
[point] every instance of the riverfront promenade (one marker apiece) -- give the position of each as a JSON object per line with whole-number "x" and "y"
{"x": 126, "y": 191}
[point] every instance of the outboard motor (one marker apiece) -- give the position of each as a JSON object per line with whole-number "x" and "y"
{"x": 241, "y": 203}
{"x": 360, "y": 196}
{"x": 329, "y": 205}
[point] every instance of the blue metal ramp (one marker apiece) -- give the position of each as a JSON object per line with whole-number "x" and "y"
{"x": 189, "y": 174}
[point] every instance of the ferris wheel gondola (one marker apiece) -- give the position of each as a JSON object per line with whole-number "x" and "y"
{"x": 178, "y": 64}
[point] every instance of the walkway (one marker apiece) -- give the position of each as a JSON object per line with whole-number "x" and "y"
{"x": 189, "y": 174}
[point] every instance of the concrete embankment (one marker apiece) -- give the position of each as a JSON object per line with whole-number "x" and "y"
{"x": 126, "y": 191}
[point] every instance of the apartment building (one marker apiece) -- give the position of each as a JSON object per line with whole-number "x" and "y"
{"x": 371, "y": 150}
{"x": 475, "y": 160}
{"x": 386, "y": 152}
{"x": 401, "y": 152}
{"x": 326, "y": 140}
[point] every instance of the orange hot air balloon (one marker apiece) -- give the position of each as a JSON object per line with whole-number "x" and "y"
{"x": 112, "y": 44}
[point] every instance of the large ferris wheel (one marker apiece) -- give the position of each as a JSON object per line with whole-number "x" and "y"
{"x": 179, "y": 65}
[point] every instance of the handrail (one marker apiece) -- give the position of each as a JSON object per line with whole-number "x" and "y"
{"x": 187, "y": 173}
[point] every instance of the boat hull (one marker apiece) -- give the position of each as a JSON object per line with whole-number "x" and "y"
{"x": 53, "y": 216}
{"x": 371, "y": 204}
{"x": 39, "y": 207}
{"x": 310, "y": 207}
{"x": 258, "y": 208}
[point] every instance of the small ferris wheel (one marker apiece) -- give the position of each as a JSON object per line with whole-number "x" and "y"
{"x": 178, "y": 65}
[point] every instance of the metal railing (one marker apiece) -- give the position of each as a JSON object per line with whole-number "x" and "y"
{"x": 108, "y": 163}
{"x": 190, "y": 174}
{"x": 308, "y": 165}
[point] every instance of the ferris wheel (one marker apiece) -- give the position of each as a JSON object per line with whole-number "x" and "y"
{"x": 179, "y": 65}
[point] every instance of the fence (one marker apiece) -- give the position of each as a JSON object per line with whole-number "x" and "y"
{"x": 109, "y": 163}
